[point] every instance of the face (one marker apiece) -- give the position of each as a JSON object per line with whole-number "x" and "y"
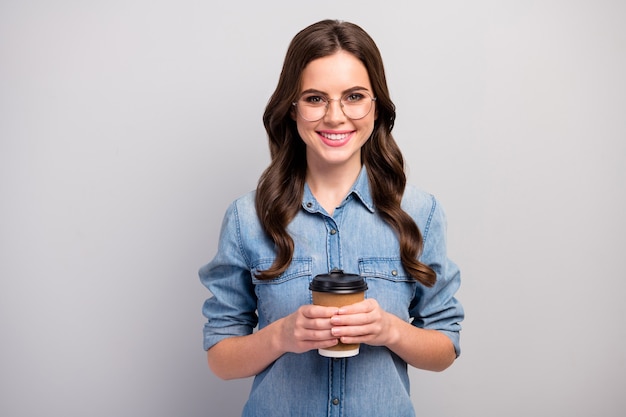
{"x": 335, "y": 140}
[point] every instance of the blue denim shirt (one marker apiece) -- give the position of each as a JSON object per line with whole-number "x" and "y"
{"x": 354, "y": 239}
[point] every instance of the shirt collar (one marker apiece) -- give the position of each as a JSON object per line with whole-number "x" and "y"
{"x": 360, "y": 189}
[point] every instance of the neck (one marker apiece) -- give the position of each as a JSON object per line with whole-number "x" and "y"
{"x": 330, "y": 185}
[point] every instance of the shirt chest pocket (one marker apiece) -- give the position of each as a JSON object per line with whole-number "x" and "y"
{"x": 281, "y": 296}
{"x": 389, "y": 284}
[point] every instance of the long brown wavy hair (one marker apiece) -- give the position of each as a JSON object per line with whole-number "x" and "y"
{"x": 281, "y": 186}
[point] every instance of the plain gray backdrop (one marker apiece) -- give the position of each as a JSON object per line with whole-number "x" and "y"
{"x": 126, "y": 128}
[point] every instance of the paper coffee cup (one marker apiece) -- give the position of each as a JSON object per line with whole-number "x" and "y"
{"x": 338, "y": 289}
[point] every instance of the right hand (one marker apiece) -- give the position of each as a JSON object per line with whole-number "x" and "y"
{"x": 308, "y": 328}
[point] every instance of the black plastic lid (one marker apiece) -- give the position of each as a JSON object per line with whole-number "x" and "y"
{"x": 339, "y": 283}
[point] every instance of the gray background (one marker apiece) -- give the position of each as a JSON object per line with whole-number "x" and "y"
{"x": 126, "y": 127}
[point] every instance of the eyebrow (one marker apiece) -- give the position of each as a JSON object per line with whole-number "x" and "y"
{"x": 344, "y": 92}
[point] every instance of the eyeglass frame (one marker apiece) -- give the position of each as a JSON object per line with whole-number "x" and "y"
{"x": 327, "y": 105}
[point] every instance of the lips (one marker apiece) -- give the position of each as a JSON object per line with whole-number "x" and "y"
{"x": 334, "y": 138}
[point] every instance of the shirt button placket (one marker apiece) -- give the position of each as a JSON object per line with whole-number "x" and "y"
{"x": 338, "y": 380}
{"x": 333, "y": 245}
{"x": 337, "y": 366}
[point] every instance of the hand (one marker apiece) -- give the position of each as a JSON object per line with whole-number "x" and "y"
{"x": 364, "y": 322}
{"x": 308, "y": 328}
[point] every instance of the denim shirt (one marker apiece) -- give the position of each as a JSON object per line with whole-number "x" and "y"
{"x": 354, "y": 239}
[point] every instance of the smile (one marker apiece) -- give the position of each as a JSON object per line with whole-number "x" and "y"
{"x": 335, "y": 136}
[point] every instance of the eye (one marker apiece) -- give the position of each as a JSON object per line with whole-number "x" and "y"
{"x": 314, "y": 100}
{"x": 354, "y": 97}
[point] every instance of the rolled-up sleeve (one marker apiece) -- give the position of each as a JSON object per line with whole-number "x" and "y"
{"x": 231, "y": 307}
{"x": 437, "y": 307}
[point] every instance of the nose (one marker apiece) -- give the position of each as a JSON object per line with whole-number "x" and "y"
{"x": 334, "y": 111}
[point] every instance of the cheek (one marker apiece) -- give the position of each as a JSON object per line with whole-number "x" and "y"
{"x": 369, "y": 125}
{"x": 305, "y": 128}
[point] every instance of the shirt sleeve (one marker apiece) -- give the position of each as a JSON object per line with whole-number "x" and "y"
{"x": 437, "y": 307}
{"x": 231, "y": 307}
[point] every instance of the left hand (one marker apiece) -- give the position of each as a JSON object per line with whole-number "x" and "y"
{"x": 365, "y": 322}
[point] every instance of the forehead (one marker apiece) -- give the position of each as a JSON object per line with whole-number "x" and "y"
{"x": 335, "y": 73}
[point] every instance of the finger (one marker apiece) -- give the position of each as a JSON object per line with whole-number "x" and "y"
{"x": 364, "y": 306}
{"x": 315, "y": 311}
{"x": 356, "y": 319}
{"x": 351, "y": 332}
{"x": 317, "y": 324}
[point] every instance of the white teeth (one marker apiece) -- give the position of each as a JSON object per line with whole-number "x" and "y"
{"x": 335, "y": 136}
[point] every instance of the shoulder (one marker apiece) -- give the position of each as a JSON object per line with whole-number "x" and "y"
{"x": 417, "y": 202}
{"x": 423, "y": 207}
{"x": 245, "y": 203}
{"x": 243, "y": 208}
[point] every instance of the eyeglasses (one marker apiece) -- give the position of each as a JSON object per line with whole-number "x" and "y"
{"x": 314, "y": 106}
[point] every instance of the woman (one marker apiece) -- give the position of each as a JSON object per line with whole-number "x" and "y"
{"x": 333, "y": 197}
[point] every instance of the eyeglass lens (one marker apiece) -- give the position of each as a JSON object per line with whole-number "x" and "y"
{"x": 355, "y": 105}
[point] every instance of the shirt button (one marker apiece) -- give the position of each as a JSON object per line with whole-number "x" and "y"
{"x": 333, "y": 231}
{"x": 309, "y": 204}
{"x": 394, "y": 273}
{"x": 335, "y": 401}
